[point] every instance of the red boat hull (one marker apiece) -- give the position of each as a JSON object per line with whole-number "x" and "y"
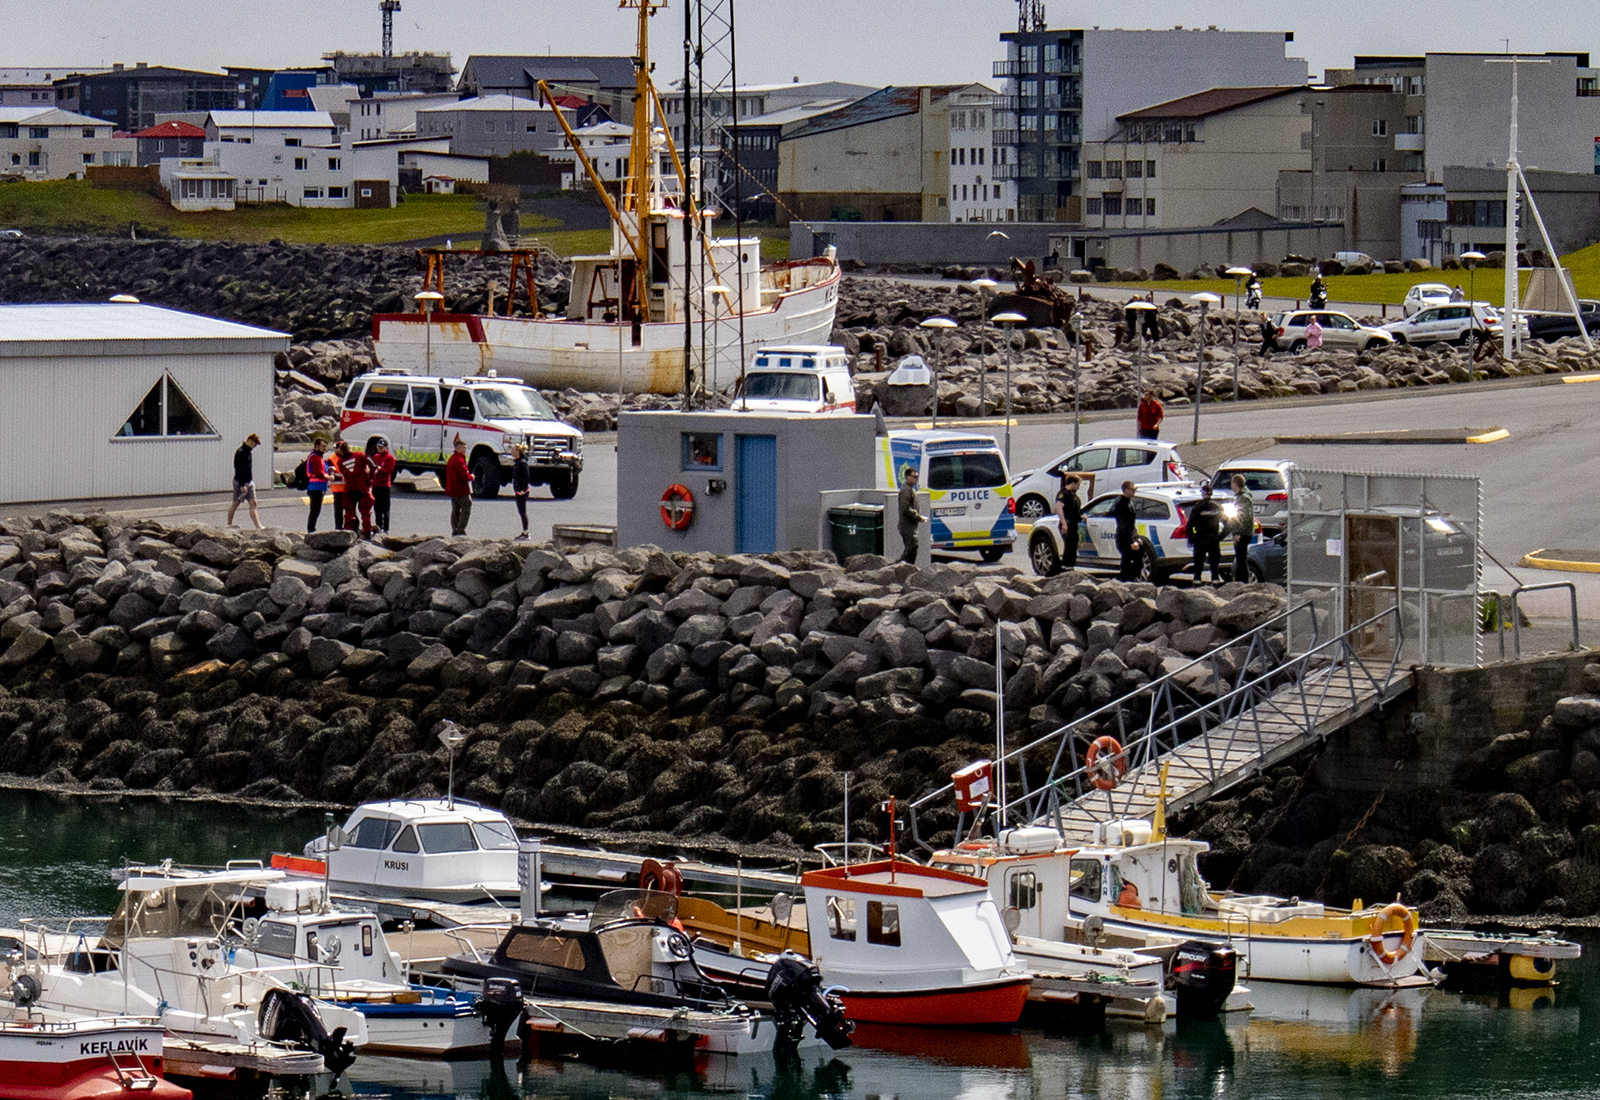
{"x": 997, "y": 1003}
{"x": 83, "y": 1080}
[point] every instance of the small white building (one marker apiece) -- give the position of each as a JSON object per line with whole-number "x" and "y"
{"x": 51, "y": 144}
{"x": 117, "y": 400}
{"x": 608, "y": 146}
{"x": 340, "y": 174}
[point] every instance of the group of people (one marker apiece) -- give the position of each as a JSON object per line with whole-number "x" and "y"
{"x": 361, "y": 485}
{"x": 1208, "y": 524}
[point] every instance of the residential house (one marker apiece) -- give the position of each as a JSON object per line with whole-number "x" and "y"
{"x": 496, "y": 125}
{"x": 35, "y": 87}
{"x": 130, "y": 99}
{"x": 51, "y": 144}
{"x": 170, "y": 139}
{"x": 337, "y": 172}
{"x": 608, "y": 146}
{"x": 393, "y": 114}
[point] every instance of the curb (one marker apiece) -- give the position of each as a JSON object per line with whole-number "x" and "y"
{"x": 1393, "y": 437}
{"x": 1533, "y": 560}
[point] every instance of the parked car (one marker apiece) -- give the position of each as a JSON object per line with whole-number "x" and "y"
{"x": 1267, "y": 482}
{"x": 1553, "y": 326}
{"x": 1422, "y": 296}
{"x": 10, "y": 234}
{"x": 1103, "y": 465}
{"x": 1162, "y": 515}
{"x": 1339, "y": 330}
{"x": 1451, "y": 562}
{"x": 800, "y": 378}
{"x": 421, "y": 418}
{"x": 969, "y": 488}
{"x": 1452, "y": 324}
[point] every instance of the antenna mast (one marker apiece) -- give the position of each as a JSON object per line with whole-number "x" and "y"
{"x": 1030, "y": 15}
{"x": 388, "y": 7}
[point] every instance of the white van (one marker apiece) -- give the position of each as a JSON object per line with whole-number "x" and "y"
{"x": 798, "y": 378}
{"x": 421, "y": 418}
{"x": 965, "y": 477}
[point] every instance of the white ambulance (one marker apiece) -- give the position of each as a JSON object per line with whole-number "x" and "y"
{"x": 798, "y": 378}
{"x": 421, "y": 418}
{"x": 973, "y": 504}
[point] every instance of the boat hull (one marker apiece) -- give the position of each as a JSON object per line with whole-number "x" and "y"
{"x": 72, "y": 1061}
{"x": 448, "y": 1029}
{"x": 990, "y": 1004}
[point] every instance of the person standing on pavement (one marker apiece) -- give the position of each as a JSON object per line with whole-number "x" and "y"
{"x": 244, "y": 480}
{"x": 1206, "y": 523}
{"x": 1070, "y": 509}
{"x": 336, "y": 486}
{"x": 382, "y": 482}
{"x": 910, "y": 518}
{"x": 1244, "y": 528}
{"x": 1269, "y": 337}
{"x": 458, "y": 487}
{"x": 316, "y": 480}
{"x": 1148, "y": 323}
{"x": 519, "y": 485}
{"x": 356, "y": 469}
{"x": 1150, "y": 416}
{"x": 1314, "y": 334}
{"x": 1129, "y": 544}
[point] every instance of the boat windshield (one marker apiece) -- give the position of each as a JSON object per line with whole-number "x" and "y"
{"x": 495, "y": 836}
{"x": 619, "y": 905}
{"x": 451, "y": 836}
{"x": 511, "y": 403}
{"x": 782, "y": 385}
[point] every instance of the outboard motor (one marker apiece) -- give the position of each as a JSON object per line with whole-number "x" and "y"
{"x": 499, "y": 1005}
{"x": 1202, "y": 976}
{"x": 794, "y": 986}
{"x": 289, "y": 1017}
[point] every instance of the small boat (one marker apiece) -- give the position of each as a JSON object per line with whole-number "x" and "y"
{"x": 95, "y": 1058}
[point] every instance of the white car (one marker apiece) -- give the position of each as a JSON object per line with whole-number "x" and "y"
{"x": 1424, "y": 295}
{"x": 1267, "y": 482}
{"x": 1340, "y": 331}
{"x": 1451, "y": 323}
{"x": 1161, "y": 514}
{"x": 1103, "y": 466}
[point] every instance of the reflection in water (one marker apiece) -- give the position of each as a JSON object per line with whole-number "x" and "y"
{"x": 1326, "y": 1024}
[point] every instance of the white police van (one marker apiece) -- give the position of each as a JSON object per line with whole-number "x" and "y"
{"x": 972, "y": 502}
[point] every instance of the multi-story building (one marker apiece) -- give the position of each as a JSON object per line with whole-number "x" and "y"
{"x": 975, "y": 194}
{"x": 391, "y": 114}
{"x": 130, "y": 99}
{"x": 51, "y": 144}
{"x": 756, "y": 186}
{"x": 275, "y": 128}
{"x": 1065, "y": 87}
{"x": 375, "y": 72}
{"x": 609, "y": 80}
{"x": 496, "y": 126}
{"x": 170, "y": 139}
{"x": 35, "y": 87}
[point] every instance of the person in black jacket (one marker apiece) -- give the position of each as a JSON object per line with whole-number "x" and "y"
{"x": 1207, "y": 522}
{"x": 1070, "y": 509}
{"x": 1129, "y": 544}
{"x": 244, "y": 479}
{"x": 519, "y": 484}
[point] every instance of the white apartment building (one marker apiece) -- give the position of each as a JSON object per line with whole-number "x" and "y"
{"x": 275, "y": 128}
{"x": 340, "y": 175}
{"x": 50, "y": 144}
{"x": 393, "y": 114}
{"x": 975, "y": 194}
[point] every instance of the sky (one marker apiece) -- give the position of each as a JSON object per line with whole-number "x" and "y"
{"x": 872, "y": 42}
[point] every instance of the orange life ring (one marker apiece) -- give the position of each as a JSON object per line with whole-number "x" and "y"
{"x": 973, "y": 846}
{"x": 664, "y": 877}
{"x": 1381, "y": 924}
{"x": 1105, "y": 775}
{"x": 677, "y": 508}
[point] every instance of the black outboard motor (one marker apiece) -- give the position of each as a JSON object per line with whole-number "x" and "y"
{"x": 794, "y": 986}
{"x": 289, "y": 1017}
{"x": 499, "y": 1005}
{"x": 1202, "y": 976}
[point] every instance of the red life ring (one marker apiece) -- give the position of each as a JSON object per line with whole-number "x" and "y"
{"x": 660, "y": 876}
{"x": 1382, "y": 923}
{"x": 1104, "y": 773}
{"x": 677, "y": 508}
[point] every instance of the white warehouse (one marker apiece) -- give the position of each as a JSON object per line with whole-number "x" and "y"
{"x": 119, "y": 399}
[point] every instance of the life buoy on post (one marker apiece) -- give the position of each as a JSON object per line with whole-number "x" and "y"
{"x": 1105, "y": 763}
{"x": 677, "y": 508}
{"x": 664, "y": 877}
{"x": 1382, "y": 924}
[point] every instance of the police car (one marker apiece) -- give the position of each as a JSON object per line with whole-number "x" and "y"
{"x": 421, "y": 418}
{"x": 1161, "y": 516}
{"x": 968, "y": 485}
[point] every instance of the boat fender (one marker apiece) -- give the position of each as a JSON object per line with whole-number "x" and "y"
{"x": 664, "y": 877}
{"x": 677, "y": 508}
{"x": 1105, "y": 763}
{"x": 1382, "y": 923}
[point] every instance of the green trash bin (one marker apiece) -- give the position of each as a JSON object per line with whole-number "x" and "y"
{"x": 856, "y": 529}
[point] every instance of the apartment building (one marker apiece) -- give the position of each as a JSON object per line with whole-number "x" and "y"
{"x": 35, "y": 87}
{"x": 496, "y": 126}
{"x": 975, "y": 194}
{"x": 130, "y": 99}
{"x": 376, "y": 72}
{"x": 389, "y": 115}
{"x": 52, "y": 144}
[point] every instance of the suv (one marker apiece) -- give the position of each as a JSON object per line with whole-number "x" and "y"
{"x": 1267, "y": 482}
{"x": 1161, "y": 513}
{"x": 1103, "y": 465}
{"x": 1424, "y": 295}
{"x": 421, "y": 418}
{"x": 1453, "y": 323}
{"x": 968, "y": 486}
{"x": 1339, "y": 330}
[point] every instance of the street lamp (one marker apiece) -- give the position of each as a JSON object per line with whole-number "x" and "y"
{"x": 1205, "y": 300}
{"x": 1076, "y": 323}
{"x": 1011, "y": 321}
{"x": 984, "y": 287}
{"x": 936, "y": 323}
{"x": 428, "y": 301}
{"x": 1239, "y": 274}
{"x": 1141, "y": 308}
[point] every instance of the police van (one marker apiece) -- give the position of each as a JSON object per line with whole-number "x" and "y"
{"x": 973, "y": 505}
{"x": 798, "y": 378}
{"x": 421, "y": 418}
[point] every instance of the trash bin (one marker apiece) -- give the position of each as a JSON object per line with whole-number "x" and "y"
{"x": 856, "y": 529}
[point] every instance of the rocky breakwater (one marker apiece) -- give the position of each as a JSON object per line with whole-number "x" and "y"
{"x": 1515, "y": 832}
{"x": 627, "y": 690}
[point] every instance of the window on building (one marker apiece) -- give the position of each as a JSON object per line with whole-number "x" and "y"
{"x": 1092, "y": 206}
{"x": 311, "y": 193}
{"x": 88, "y": 158}
{"x": 1113, "y": 169}
{"x": 1380, "y": 127}
{"x": 1380, "y": 165}
{"x": 488, "y": 125}
{"x": 34, "y": 160}
{"x": 1150, "y": 208}
{"x": 39, "y": 132}
{"x": 88, "y": 131}
{"x": 165, "y": 411}
{"x": 338, "y": 192}
{"x": 1135, "y": 169}
{"x": 1150, "y": 169}
{"x": 982, "y": 155}
{"x": 293, "y": 143}
{"x": 301, "y": 163}
{"x": 1092, "y": 170}
{"x": 1191, "y": 131}
{"x": 1113, "y": 205}
{"x": 1414, "y": 124}
{"x": 333, "y": 164}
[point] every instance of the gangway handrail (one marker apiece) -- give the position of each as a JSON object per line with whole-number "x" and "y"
{"x": 1516, "y": 615}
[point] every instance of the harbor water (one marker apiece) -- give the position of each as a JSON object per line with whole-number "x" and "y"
{"x": 1302, "y": 1043}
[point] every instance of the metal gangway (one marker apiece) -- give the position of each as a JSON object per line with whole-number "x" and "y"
{"x": 1210, "y": 724}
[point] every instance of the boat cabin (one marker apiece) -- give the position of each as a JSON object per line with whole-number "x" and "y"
{"x": 425, "y": 848}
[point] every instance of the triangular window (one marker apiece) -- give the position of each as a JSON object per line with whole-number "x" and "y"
{"x": 165, "y": 411}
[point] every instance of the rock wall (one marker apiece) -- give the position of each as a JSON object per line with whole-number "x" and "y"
{"x": 628, "y": 690}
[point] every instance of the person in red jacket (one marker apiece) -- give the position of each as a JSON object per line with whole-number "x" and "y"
{"x": 357, "y": 471}
{"x": 458, "y": 487}
{"x": 336, "y": 484}
{"x": 1150, "y": 415}
{"x": 316, "y": 481}
{"x": 382, "y": 481}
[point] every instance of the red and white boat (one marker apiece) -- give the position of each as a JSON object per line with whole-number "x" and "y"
{"x": 101, "y": 1058}
{"x": 910, "y": 944}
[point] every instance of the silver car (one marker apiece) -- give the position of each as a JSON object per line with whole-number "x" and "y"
{"x": 1340, "y": 331}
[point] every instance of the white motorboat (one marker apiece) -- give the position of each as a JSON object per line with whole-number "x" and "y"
{"x": 46, "y": 1056}
{"x": 656, "y": 312}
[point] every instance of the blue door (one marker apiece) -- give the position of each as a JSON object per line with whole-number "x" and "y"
{"x": 756, "y": 506}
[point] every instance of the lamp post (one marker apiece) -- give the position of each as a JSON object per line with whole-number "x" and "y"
{"x": 1205, "y": 300}
{"x": 1076, "y": 322}
{"x": 936, "y": 323}
{"x": 1140, "y": 308}
{"x": 1239, "y": 274}
{"x": 1011, "y": 321}
{"x": 984, "y": 287}
{"x": 428, "y": 301}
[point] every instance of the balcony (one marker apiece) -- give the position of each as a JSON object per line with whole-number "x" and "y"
{"x": 1059, "y": 66}
{"x": 1016, "y": 103}
{"x": 1410, "y": 143}
{"x": 1006, "y": 137}
{"x": 1015, "y": 68}
{"x": 1006, "y": 172}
